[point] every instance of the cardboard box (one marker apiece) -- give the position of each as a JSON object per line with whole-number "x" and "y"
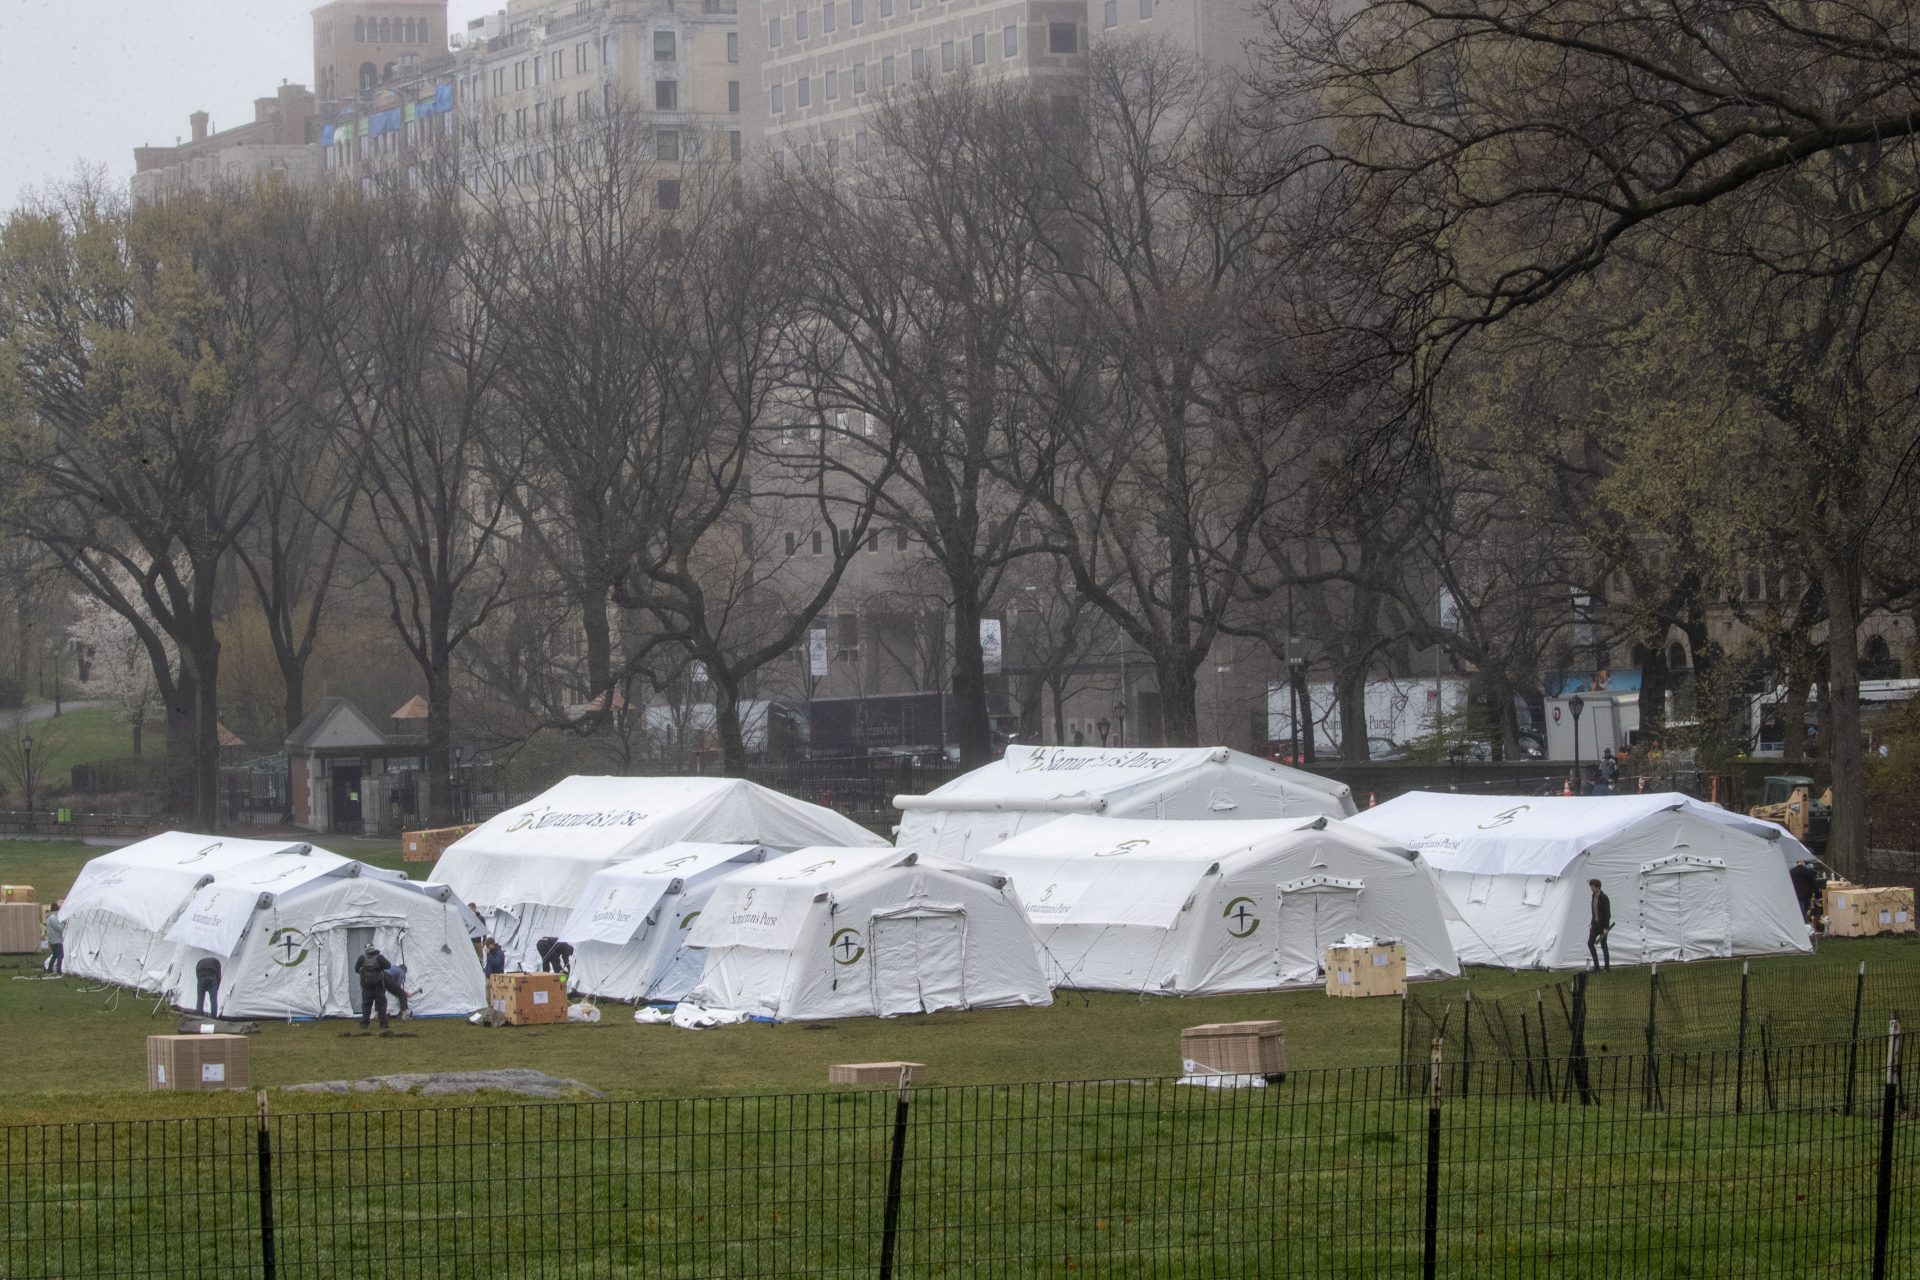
{"x": 197, "y": 1063}
{"x": 1862, "y": 911}
{"x": 427, "y": 846}
{"x": 528, "y": 999}
{"x": 16, "y": 893}
{"x": 20, "y": 931}
{"x": 875, "y": 1072}
{"x": 1378, "y": 970}
{"x": 1234, "y": 1049}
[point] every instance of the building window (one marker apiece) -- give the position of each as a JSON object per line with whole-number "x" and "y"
{"x": 666, "y": 95}
{"x": 359, "y": 30}
{"x": 520, "y": 74}
{"x": 733, "y": 46}
{"x": 800, "y": 18}
{"x": 1146, "y": 9}
{"x": 946, "y": 55}
{"x": 583, "y": 104}
{"x": 793, "y": 543}
{"x": 833, "y": 85}
{"x": 667, "y": 194}
{"x": 733, "y": 96}
{"x": 500, "y": 127}
{"x": 886, "y": 8}
{"x": 539, "y": 116}
{"x": 559, "y": 65}
{"x": 774, "y": 103}
{"x": 859, "y": 77}
{"x": 803, "y": 92}
{"x": 580, "y": 58}
{"x": 900, "y": 539}
{"x": 919, "y": 63}
{"x": 386, "y": 31}
{"x": 979, "y": 48}
{"x": 733, "y": 144}
{"x": 663, "y": 46}
{"x": 773, "y": 32}
{"x": 666, "y": 144}
{"x": 519, "y": 122}
{"x": 1063, "y": 37}
{"x": 857, "y": 12}
{"x": 1010, "y": 42}
{"x": 1110, "y": 15}
{"x": 607, "y": 52}
{"x": 828, "y": 22}
{"x": 886, "y": 70}
{"x": 539, "y": 69}
{"x": 817, "y": 548}
{"x": 559, "y": 114}
{"x": 499, "y": 81}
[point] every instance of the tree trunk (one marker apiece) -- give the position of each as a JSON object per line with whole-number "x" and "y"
{"x": 726, "y": 722}
{"x": 1350, "y": 696}
{"x": 972, "y": 728}
{"x": 1060, "y": 712}
{"x": 1179, "y": 693}
{"x": 180, "y": 703}
{"x": 1793, "y": 722}
{"x": 599, "y": 637}
{"x": 1653, "y": 684}
{"x": 1847, "y": 843}
{"x": 439, "y": 777}
{"x": 206, "y": 734}
{"x": 139, "y": 722}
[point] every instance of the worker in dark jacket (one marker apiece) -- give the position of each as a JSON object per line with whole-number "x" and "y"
{"x": 496, "y": 958}
{"x": 207, "y": 987}
{"x": 1805, "y": 881}
{"x": 555, "y": 956}
{"x": 372, "y": 968}
{"x": 1599, "y": 923}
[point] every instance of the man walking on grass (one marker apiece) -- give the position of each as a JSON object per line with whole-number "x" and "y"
{"x": 372, "y": 968}
{"x": 1599, "y": 922}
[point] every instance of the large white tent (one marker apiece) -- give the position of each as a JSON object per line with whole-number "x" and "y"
{"x": 829, "y": 933}
{"x": 527, "y": 867}
{"x": 630, "y": 927}
{"x": 1204, "y": 908}
{"x": 1031, "y": 786}
{"x": 1686, "y": 880}
{"x": 286, "y": 922}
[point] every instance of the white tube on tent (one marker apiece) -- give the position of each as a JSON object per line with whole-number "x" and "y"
{"x": 999, "y": 804}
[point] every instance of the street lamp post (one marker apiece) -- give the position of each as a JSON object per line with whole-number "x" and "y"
{"x": 1296, "y": 663}
{"x": 1103, "y": 725}
{"x": 1575, "y": 705}
{"x": 26, "y": 749}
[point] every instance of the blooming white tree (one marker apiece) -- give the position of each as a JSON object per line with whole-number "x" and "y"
{"x": 119, "y": 669}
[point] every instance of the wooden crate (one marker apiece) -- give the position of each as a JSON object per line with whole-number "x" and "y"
{"x": 16, "y": 893}
{"x": 1862, "y": 911}
{"x": 528, "y": 999}
{"x": 1234, "y": 1048}
{"x": 20, "y": 927}
{"x": 197, "y": 1063}
{"x": 1378, "y": 970}
{"x": 875, "y": 1072}
{"x": 427, "y": 846}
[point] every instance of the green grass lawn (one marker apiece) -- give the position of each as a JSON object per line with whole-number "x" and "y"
{"x": 83, "y": 736}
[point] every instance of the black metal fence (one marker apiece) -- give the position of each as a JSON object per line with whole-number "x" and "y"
{"x": 1322, "y": 1174}
{"x": 1662, "y": 1009}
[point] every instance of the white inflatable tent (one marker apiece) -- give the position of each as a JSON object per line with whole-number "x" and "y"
{"x": 1686, "y": 880}
{"x": 1205, "y": 908}
{"x": 630, "y": 927}
{"x": 833, "y": 933}
{"x": 1031, "y": 786}
{"x": 526, "y": 868}
{"x": 285, "y": 920}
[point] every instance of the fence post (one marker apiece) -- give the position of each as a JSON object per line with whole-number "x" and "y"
{"x": 1430, "y": 1230}
{"x": 1883, "y": 1191}
{"x": 1650, "y": 1082}
{"x": 1466, "y": 1043}
{"x": 264, "y": 1146}
{"x": 1853, "y": 1041}
{"x": 1577, "y": 1051}
{"x": 1546, "y": 1049}
{"x": 896, "y": 1168}
{"x": 1740, "y": 1052}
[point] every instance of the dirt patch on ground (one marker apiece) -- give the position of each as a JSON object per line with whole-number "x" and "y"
{"x": 518, "y": 1080}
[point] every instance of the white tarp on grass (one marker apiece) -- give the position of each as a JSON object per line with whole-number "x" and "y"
{"x": 285, "y": 921}
{"x": 1686, "y": 880}
{"x": 527, "y": 867}
{"x": 1202, "y": 908}
{"x": 1031, "y": 786}
{"x": 852, "y": 932}
{"x": 632, "y": 922}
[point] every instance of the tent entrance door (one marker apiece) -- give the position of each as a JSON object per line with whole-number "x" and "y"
{"x": 1686, "y": 912}
{"x": 919, "y": 962}
{"x": 1314, "y": 914}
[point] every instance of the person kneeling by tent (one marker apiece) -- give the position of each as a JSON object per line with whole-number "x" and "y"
{"x": 555, "y": 956}
{"x": 372, "y": 969}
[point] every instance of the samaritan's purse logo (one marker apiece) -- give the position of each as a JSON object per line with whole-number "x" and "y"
{"x": 1240, "y": 917}
{"x": 1504, "y": 817}
{"x": 288, "y": 947}
{"x": 846, "y": 947}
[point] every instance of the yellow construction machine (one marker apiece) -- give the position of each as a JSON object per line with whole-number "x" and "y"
{"x": 1789, "y": 801}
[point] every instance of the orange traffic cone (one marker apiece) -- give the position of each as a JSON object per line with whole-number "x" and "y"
{"x": 1370, "y": 800}
{"x": 1566, "y": 788}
